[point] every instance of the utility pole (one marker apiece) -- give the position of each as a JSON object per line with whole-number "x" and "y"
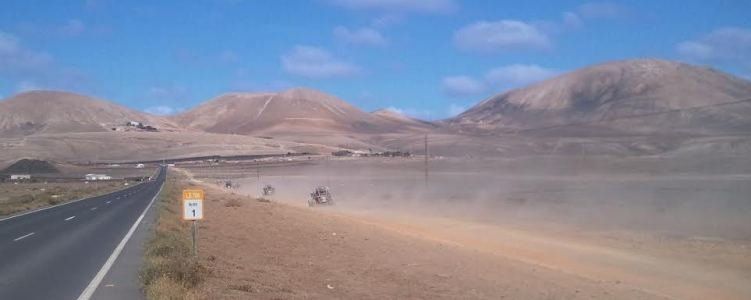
{"x": 426, "y": 160}
{"x": 258, "y": 179}
{"x": 328, "y": 175}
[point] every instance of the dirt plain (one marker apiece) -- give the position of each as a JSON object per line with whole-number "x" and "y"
{"x": 554, "y": 229}
{"x": 67, "y": 185}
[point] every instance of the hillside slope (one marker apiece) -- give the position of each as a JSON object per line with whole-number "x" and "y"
{"x": 644, "y": 96}
{"x": 293, "y": 111}
{"x": 48, "y": 112}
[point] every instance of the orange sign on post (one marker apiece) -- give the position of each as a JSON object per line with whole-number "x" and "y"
{"x": 192, "y": 205}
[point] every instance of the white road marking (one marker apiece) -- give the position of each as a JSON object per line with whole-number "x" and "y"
{"x": 70, "y": 218}
{"x": 93, "y": 208}
{"x": 45, "y": 208}
{"x": 108, "y": 202}
{"x": 23, "y": 237}
{"x": 91, "y": 288}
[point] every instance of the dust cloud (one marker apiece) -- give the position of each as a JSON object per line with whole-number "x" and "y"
{"x": 599, "y": 194}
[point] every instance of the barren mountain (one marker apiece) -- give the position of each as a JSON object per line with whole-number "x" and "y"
{"x": 293, "y": 111}
{"x": 62, "y": 112}
{"x": 643, "y": 96}
{"x": 399, "y": 120}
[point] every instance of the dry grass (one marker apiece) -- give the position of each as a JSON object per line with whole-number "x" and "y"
{"x": 16, "y": 198}
{"x": 234, "y": 202}
{"x": 170, "y": 271}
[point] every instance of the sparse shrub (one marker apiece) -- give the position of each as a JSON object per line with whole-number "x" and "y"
{"x": 164, "y": 288}
{"x": 241, "y": 287}
{"x": 53, "y": 200}
{"x": 169, "y": 271}
{"x": 234, "y": 202}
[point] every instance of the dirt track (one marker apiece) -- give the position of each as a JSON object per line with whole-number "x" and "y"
{"x": 270, "y": 250}
{"x": 276, "y": 250}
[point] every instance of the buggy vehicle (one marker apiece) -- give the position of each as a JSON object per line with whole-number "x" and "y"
{"x": 321, "y": 196}
{"x": 268, "y": 190}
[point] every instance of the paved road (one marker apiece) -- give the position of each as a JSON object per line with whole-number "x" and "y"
{"x": 56, "y": 253}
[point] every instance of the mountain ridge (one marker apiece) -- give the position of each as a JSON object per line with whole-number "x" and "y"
{"x": 612, "y": 95}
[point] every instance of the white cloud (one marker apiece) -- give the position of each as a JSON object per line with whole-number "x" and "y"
{"x": 518, "y": 75}
{"x": 16, "y": 59}
{"x": 387, "y": 20}
{"x": 166, "y": 99}
{"x": 317, "y": 63}
{"x": 571, "y": 20}
{"x": 396, "y": 110}
{"x": 462, "y": 86}
{"x": 22, "y": 65}
{"x": 163, "y": 96}
{"x": 505, "y": 35}
{"x": 730, "y": 45}
{"x": 161, "y": 110}
{"x": 422, "y": 114}
{"x": 419, "y": 6}
{"x": 696, "y": 50}
{"x": 26, "y": 86}
{"x": 73, "y": 28}
{"x": 500, "y": 35}
{"x": 497, "y": 79}
{"x": 363, "y": 36}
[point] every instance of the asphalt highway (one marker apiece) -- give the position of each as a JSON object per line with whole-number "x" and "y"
{"x": 64, "y": 251}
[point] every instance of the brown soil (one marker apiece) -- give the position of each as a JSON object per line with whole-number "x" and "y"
{"x": 267, "y": 250}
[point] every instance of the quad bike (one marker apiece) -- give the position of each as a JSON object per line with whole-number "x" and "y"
{"x": 320, "y": 196}
{"x": 228, "y": 184}
{"x": 268, "y": 190}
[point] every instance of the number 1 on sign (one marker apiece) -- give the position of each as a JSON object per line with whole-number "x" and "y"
{"x": 192, "y": 205}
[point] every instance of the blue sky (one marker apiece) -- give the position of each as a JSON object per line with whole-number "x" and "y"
{"x": 427, "y": 58}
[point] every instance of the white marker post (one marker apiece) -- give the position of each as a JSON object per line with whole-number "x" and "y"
{"x": 193, "y": 211}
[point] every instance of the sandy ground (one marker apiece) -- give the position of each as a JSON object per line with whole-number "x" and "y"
{"x": 529, "y": 246}
{"x": 275, "y": 251}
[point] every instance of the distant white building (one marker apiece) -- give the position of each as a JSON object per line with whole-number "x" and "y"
{"x": 139, "y": 166}
{"x": 134, "y": 123}
{"x": 20, "y": 177}
{"x": 95, "y": 177}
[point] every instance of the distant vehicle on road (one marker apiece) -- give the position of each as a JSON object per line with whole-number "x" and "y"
{"x": 96, "y": 177}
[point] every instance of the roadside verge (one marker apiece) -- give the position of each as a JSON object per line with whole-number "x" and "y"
{"x": 169, "y": 270}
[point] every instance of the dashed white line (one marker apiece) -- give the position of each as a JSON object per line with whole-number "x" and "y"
{"x": 70, "y": 218}
{"x": 89, "y": 291}
{"x": 23, "y": 237}
{"x": 93, "y": 208}
{"x": 108, "y": 202}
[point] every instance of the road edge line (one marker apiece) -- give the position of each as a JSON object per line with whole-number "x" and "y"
{"x": 94, "y": 284}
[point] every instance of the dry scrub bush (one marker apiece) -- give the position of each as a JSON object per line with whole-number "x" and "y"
{"x": 234, "y": 202}
{"x": 170, "y": 271}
